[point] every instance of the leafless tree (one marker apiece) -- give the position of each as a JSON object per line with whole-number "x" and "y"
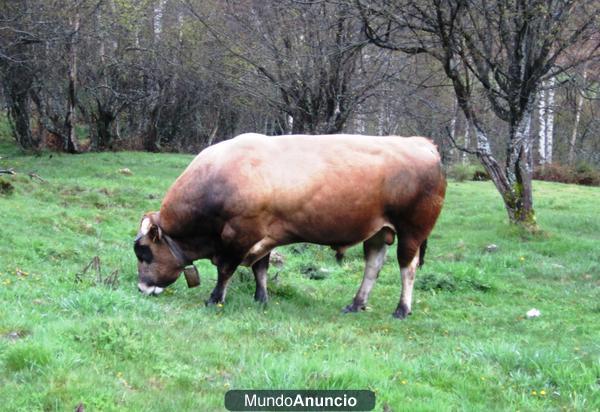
{"x": 18, "y": 35}
{"x": 503, "y": 49}
{"x": 307, "y": 60}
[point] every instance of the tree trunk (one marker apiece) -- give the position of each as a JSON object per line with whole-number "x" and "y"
{"x": 550, "y": 120}
{"x": 71, "y": 145}
{"x": 519, "y": 198}
{"x": 546, "y": 121}
{"x": 514, "y": 181}
{"x": 16, "y": 89}
{"x": 466, "y": 143}
{"x": 453, "y": 126}
{"x": 213, "y": 133}
{"x": 578, "y": 110}
{"x": 104, "y": 135}
{"x": 157, "y": 21}
{"x": 382, "y": 126}
{"x": 289, "y": 124}
{"x": 360, "y": 124}
{"x": 151, "y": 138}
{"x": 542, "y": 123}
{"x": 20, "y": 117}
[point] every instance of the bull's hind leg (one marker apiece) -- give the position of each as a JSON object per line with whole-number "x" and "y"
{"x": 260, "y": 269}
{"x": 374, "y": 249}
{"x": 408, "y": 259}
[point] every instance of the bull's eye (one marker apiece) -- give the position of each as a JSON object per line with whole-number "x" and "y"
{"x": 143, "y": 252}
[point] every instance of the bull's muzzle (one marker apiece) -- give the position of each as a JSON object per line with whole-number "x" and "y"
{"x": 149, "y": 290}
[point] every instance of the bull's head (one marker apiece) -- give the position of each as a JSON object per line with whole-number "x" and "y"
{"x": 160, "y": 260}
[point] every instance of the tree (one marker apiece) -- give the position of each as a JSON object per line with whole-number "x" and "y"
{"x": 503, "y": 49}
{"x": 18, "y": 34}
{"x": 546, "y": 120}
{"x": 307, "y": 60}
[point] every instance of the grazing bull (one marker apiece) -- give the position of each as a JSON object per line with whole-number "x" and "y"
{"x": 241, "y": 198}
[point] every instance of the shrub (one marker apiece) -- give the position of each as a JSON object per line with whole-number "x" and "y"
{"x": 480, "y": 175}
{"x": 466, "y": 171}
{"x": 554, "y": 172}
{"x": 585, "y": 174}
{"x": 6, "y": 188}
{"x": 460, "y": 172}
{"x": 582, "y": 174}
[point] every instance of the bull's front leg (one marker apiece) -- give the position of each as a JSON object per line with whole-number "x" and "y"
{"x": 225, "y": 269}
{"x": 375, "y": 249}
{"x": 260, "y": 269}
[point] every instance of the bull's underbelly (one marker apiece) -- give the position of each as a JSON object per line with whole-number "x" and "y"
{"x": 316, "y": 224}
{"x": 329, "y": 233}
{"x": 334, "y": 230}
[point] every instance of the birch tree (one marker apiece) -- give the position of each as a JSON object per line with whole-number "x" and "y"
{"x": 546, "y": 120}
{"x": 503, "y": 49}
{"x": 578, "y": 110}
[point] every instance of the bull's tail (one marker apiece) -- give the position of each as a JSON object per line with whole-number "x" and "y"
{"x": 422, "y": 250}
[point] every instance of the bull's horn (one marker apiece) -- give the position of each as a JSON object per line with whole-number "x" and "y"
{"x": 145, "y": 227}
{"x": 149, "y": 228}
{"x": 192, "y": 277}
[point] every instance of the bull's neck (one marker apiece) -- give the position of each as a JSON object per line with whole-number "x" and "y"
{"x": 195, "y": 248}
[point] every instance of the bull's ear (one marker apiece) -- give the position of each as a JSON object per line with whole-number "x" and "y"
{"x": 155, "y": 233}
{"x": 150, "y": 228}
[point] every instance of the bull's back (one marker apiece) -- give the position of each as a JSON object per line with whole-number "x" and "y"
{"x": 331, "y": 189}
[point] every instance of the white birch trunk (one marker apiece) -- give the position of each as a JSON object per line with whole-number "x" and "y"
{"x": 550, "y": 120}
{"x": 542, "y": 122}
{"x": 159, "y": 9}
{"x": 546, "y": 120}
{"x": 359, "y": 121}
{"x": 453, "y": 125}
{"x": 381, "y": 120}
{"x": 578, "y": 110}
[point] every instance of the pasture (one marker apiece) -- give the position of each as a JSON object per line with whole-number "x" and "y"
{"x": 69, "y": 338}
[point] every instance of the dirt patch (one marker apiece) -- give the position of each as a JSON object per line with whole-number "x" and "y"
{"x": 15, "y": 335}
{"x": 6, "y": 188}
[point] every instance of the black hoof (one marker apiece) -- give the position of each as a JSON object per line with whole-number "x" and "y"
{"x": 401, "y": 312}
{"x": 213, "y": 300}
{"x": 353, "y": 308}
{"x": 261, "y": 297}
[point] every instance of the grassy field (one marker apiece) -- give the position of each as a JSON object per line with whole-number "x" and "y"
{"x": 68, "y": 338}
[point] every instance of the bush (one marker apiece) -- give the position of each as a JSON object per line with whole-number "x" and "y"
{"x": 462, "y": 172}
{"x": 582, "y": 174}
{"x": 554, "y": 172}
{"x": 6, "y": 188}
{"x": 585, "y": 174}
{"x": 480, "y": 176}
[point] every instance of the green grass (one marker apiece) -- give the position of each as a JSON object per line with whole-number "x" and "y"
{"x": 468, "y": 345}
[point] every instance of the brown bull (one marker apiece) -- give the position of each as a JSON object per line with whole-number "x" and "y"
{"x": 241, "y": 198}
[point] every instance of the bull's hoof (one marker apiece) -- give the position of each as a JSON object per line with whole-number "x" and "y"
{"x": 213, "y": 300}
{"x": 261, "y": 297}
{"x": 354, "y": 307}
{"x": 401, "y": 312}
